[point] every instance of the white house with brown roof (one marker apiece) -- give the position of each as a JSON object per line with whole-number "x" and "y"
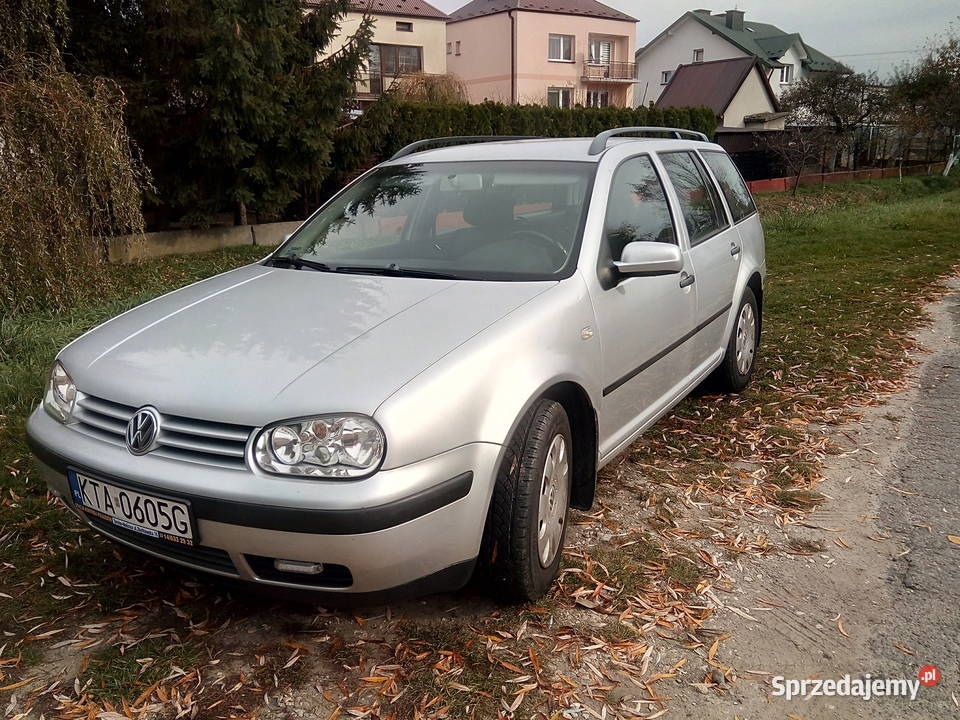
{"x": 703, "y": 36}
{"x": 550, "y": 52}
{"x": 736, "y": 90}
{"x": 409, "y": 36}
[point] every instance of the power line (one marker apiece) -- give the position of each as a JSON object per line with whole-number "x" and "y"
{"x": 886, "y": 52}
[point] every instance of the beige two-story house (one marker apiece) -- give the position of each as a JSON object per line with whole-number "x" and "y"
{"x": 549, "y": 52}
{"x": 409, "y": 36}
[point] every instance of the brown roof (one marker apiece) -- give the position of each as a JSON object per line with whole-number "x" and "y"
{"x": 589, "y": 8}
{"x": 405, "y": 8}
{"x": 713, "y": 84}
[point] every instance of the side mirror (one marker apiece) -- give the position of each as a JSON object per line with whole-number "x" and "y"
{"x": 649, "y": 258}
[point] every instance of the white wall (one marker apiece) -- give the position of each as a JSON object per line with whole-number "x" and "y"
{"x": 428, "y": 33}
{"x": 793, "y": 56}
{"x": 750, "y": 99}
{"x": 677, "y": 49}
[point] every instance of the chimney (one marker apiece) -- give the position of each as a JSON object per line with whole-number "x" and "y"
{"x": 734, "y": 19}
{"x": 703, "y": 11}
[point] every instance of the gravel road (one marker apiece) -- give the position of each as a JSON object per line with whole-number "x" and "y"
{"x": 880, "y": 595}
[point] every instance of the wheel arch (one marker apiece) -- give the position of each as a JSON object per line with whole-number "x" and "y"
{"x": 583, "y": 428}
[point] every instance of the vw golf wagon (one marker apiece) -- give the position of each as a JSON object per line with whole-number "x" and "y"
{"x": 426, "y": 376}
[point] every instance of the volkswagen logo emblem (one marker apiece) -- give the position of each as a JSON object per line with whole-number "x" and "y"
{"x": 142, "y": 431}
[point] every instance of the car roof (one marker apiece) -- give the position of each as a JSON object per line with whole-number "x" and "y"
{"x": 568, "y": 149}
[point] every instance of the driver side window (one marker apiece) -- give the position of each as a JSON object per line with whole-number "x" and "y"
{"x": 637, "y": 207}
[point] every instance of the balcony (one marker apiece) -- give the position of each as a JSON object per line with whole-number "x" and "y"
{"x": 614, "y": 71}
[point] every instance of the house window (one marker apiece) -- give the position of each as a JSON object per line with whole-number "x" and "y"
{"x": 601, "y": 52}
{"x": 698, "y": 55}
{"x": 404, "y": 27}
{"x": 786, "y": 74}
{"x": 560, "y": 97}
{"x": 560, "y": 48}
{"x": 598, "y": 98}
{"x": 391, "y": 61}
{"x": 458, "y": 47}
{"x": 665, "y": 76}
{"x": 449, "y": 48}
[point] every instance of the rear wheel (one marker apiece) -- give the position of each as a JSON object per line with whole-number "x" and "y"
{"x": 527, "y": 520}
{"x": 736, "y": 369}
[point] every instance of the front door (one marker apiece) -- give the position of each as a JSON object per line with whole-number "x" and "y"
{"x": 640, "y": 318}
{"x": 714, "y": 250}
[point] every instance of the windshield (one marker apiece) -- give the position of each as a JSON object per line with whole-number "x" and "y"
{"x": 487, "y": 220}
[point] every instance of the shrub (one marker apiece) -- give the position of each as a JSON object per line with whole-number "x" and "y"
{"x": 68, "y": 183}
{"x": 391, "y": 123}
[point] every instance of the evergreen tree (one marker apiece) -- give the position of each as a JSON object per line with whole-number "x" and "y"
{"x": 227, "y": 99}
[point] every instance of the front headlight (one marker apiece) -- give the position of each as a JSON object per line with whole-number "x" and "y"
{"x": 346, "y": 446}
{"x": 61, "y": 393}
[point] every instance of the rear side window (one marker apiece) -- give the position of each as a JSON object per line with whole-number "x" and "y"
{"x": 637, "y": 208}
{"x": 699, "y": 201}
{"x": 731, "y": 184}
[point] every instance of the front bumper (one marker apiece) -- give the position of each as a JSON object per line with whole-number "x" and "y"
{"x": 415, "y": 528}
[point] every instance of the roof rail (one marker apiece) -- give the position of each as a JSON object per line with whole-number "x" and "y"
{"x": 599, "y": 143}
{"x": 456, "y": 140}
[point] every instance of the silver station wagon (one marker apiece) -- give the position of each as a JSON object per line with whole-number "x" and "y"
{"x": 424, "y": 378}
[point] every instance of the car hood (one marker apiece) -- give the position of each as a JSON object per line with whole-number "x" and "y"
{"x": 262, "y": 344}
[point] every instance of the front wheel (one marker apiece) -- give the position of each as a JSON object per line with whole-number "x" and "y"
{"x": 527, "y": 520}
{"x": 738, "y": 362}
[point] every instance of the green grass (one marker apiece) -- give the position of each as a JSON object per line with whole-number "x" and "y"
{"x": 117, "y": 675}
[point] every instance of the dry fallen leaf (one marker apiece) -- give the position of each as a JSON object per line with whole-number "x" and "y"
{"x": 954, "y": 539}
{"x": 840, "y": 627}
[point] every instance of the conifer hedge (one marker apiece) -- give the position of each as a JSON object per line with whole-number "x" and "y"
{"x": 389, "y": 124}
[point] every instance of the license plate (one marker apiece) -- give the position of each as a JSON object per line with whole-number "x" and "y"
{"x": 149, "y": 515}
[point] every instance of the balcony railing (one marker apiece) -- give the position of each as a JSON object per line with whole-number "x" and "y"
{"x": 609, "y": 72}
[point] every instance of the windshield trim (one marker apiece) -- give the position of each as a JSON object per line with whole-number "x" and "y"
{"x": 569, "y": 268}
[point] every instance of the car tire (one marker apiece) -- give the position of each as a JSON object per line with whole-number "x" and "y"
{"x": 527, "y": 520}
{"x": 740, "y": 358}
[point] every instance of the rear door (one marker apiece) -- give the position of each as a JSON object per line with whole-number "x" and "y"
{"x": 642, "y": 319}
{"x": 714, "y": 249}
{"x": 740, "y": 203}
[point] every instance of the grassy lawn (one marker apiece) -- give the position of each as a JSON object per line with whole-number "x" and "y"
{"x": 849, "y": 270}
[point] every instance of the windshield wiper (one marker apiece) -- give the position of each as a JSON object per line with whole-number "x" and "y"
{"x": 299, "y": 262}
{"x": 394, "y": 270}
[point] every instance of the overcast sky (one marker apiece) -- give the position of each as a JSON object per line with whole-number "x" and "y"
{"x": 864, "y": 34}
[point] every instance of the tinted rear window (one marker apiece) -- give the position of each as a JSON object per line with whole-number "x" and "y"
{"x": 731, "y": 183}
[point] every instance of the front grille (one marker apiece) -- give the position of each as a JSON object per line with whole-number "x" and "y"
{"x": 198, "y": 555}
{"x": 180, "y": 438}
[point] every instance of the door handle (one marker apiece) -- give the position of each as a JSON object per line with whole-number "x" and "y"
{"x": 734, "y": 249}
{"x": 686, "y": 280}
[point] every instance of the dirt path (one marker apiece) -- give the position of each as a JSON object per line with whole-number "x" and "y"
{"x": 879, "y": 597}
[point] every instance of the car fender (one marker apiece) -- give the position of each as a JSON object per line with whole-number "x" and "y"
{"x": 479, "y": 391}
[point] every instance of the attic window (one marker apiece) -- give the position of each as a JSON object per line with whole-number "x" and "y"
{"x": 698, "y": 55}
{"x": 404, "y": 27}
